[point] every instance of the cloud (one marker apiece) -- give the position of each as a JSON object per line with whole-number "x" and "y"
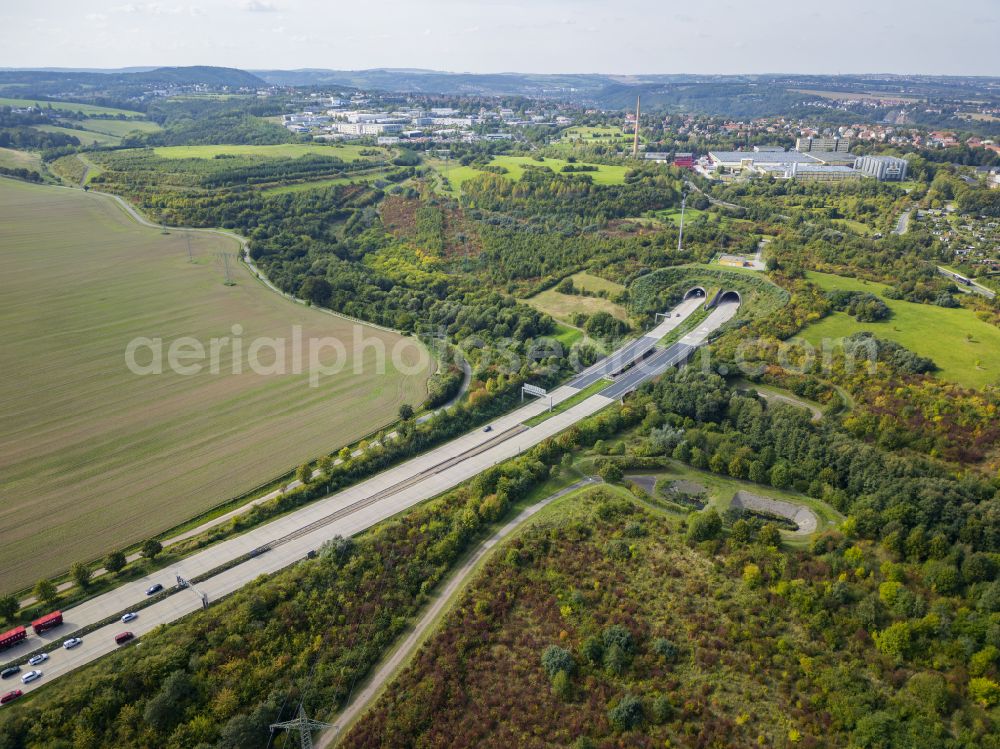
{"x": 260, "y": 6}
{"x": 152, "y": 9}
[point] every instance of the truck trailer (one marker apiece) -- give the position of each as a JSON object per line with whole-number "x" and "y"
{"x": 10, "y": 639}
{"x": 47, "y": 622}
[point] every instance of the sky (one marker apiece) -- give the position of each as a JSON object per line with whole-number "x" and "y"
{"x": 959, "y": 37}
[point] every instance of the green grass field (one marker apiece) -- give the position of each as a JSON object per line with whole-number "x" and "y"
{"x": 936, "y": 332}
{"x": 95, "y": 457}
{"x": 673, "y": 215}
{"x": 120, "y": 127}
{"x": 563, "y": 307}
{"x": 282, "y": 150}
{"x": 458, "y": 174}
{"x": 589, "y": 282}
{"x": 87, "y": 137}
{"x": 597, "y": 134}
{"x": 69, "y": 106}
{"x": 14, "y": 159}
{"x": 367, "y": 176}
{"x": 567, "y": 335}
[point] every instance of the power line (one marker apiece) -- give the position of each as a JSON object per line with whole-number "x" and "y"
{"x": 225, "y": 263}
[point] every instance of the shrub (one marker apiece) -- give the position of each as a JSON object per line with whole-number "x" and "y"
{"x": 557, "y": 660}
{"x": 610, "y": 471}
{"x": 618, "y": 549}
{"x": 704, "y": 526}
{"x": 627, "y": 714}
{"x": 562, "y": 687}
{"x": 115, "y": 561}
{"x": 593, "y": 650}
{"x": 661, "y": 710}
{"x": 618, "y": 635}
{"x": 895, "y": 641}
{"x": 151, "y": 548}
{"x": 664, "y": 648}
{"x": 984, "y": 691}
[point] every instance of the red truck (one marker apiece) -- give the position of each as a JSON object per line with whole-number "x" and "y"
{"x": 9, "y": 639}
{"x": 47, "y": 622}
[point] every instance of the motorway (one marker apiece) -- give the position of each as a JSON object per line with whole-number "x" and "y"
{"x": 637, "y": 348}
{"x": 290, "y": 538}
{"x": 972, "y": 286}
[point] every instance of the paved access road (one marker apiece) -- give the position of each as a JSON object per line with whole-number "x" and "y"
{"x": 345, "y": 513}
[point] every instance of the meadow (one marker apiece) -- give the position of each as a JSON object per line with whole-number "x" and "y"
{"x": 365, "y": 176}
{"x": 965, "y": 348}
{"x": 88, "y": 110}
{"x": 14, "y": 159}
{"x": 563, "y": 307}
{"x": 95, "y": 457}
{"x": 515, "y": 165}
{"x": 87, "y": 137}
{"x": 282, "y": 150}
{"x": 119, "y": 127}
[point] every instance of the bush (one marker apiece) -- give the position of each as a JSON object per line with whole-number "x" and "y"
{"x": 662, "y": 710}
{"x": 610, "y": 471}
{"x": 562, "y": 687}
{"x": 627, "y": 714}
{"x": 984, "y": 691}
{"x": 151, "y": 548}
{"x": 665, "y": 648}
{"x": 115, "y": 561}
{"x": 557, "y": 660}
{"x": 618, "y": 549}
{"x": 618, "y": 635}
{"x": 704, "y": 526}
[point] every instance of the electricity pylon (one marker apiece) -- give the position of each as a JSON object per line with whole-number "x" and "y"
{"x": 304, "y": 725}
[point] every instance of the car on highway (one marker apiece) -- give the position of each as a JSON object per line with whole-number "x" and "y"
{"x": 10, "y": 696}
{"x": 153, "y": 589}
{"x": 129, "y": 617}
{"x": 36, "y": 659}
{"x": 488, "y": 428}
{"x": 72, "y": 642}
{"x": 8, "y": 672}
{"x": 122, "y": 637}
{"x": 31, "y": 676}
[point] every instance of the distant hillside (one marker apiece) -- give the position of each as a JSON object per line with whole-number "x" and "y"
{"x": 116, "y": 87}
{"x": 410, "y": 80}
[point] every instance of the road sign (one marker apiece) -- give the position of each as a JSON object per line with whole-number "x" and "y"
{"x": 535, "y": 390}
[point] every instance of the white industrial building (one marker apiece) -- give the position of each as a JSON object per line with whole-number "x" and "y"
{"x": 823, "y": 144}
{"x": 882, "y": 168}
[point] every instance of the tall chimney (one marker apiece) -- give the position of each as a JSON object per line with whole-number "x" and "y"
{"x": 635, "y": 144}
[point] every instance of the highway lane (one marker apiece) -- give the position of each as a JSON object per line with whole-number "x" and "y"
{"x": 638, "y": 347}
{"x": 345, "y": 513}
{"x": 673, "y": 355}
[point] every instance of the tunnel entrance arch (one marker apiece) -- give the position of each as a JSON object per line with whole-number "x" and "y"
{"x": 695, "y": 292}
{"x": 730, "y": 296}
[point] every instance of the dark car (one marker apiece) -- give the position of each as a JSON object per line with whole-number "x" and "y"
{"x": 153, "y": 589}
{"x": 10, "y": 696}
{"x": 488, "y": 428}
{"x": 8, "y": 672}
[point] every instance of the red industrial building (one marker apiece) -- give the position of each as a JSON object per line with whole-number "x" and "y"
{"x": 684, "y": 160}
